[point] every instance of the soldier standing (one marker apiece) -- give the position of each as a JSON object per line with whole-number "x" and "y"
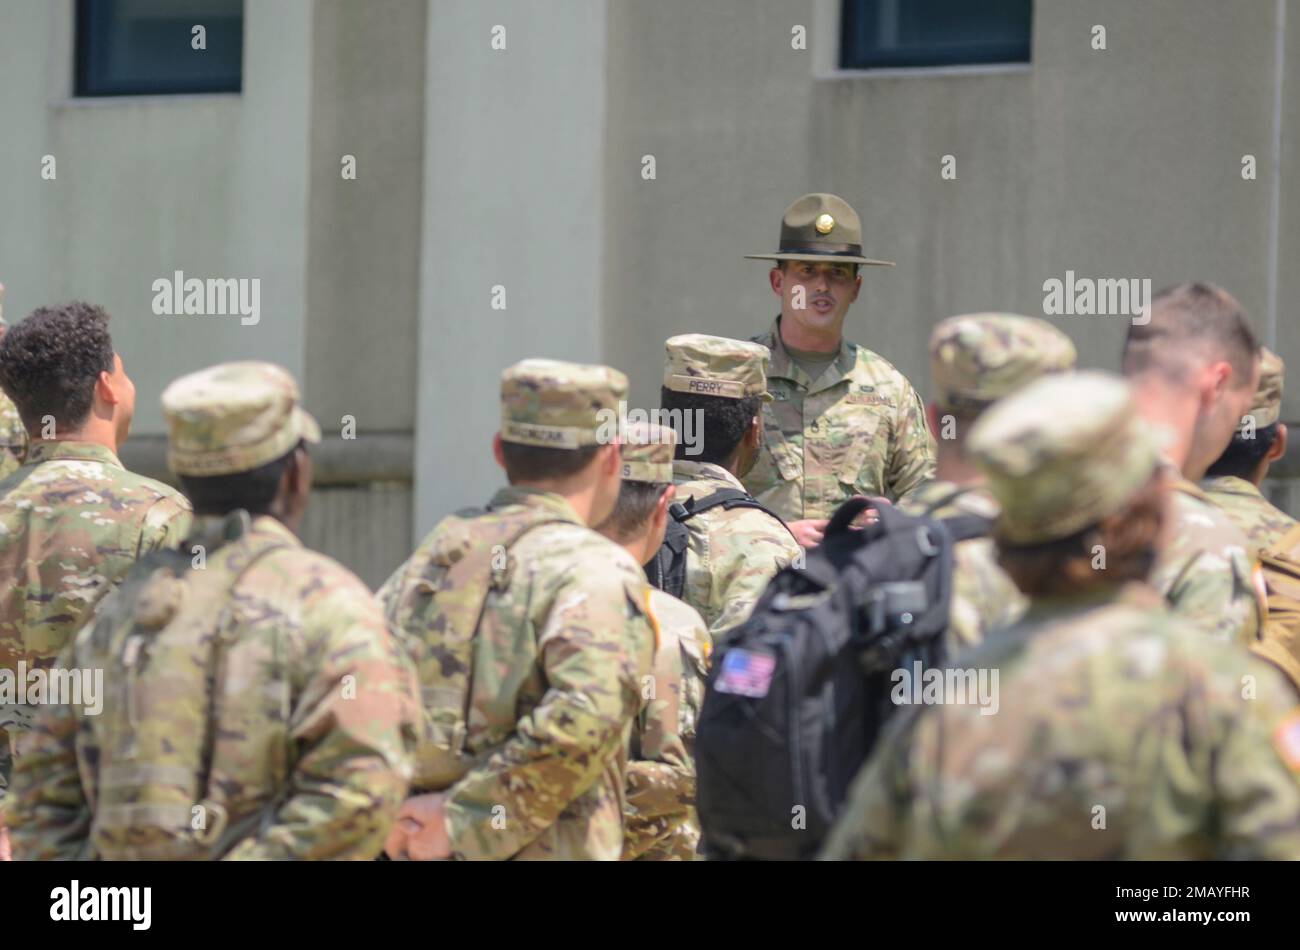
{"x": 975, "y": 360}
{"x": 843, "y": 420}
{"x": 72, "y": 519}
{"x": 717, "y": 387}
{"x": 260, "y": 707}
{"x": 1194, "y": 367}
{"x": 1114, "y": 721}
{"x": 533, "y": 635}
{"x": 1234, "y": 478}
{"x": 13, "y": 437}
{"x": 661, "y": 820}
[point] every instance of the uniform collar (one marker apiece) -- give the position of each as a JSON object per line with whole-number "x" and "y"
{"x": 535, "y": 498}
{"x": 43, "y": 450}
{"x": 1062, "y": 607}
{"x": 213, "y": 531}
{"x": 783, "y": 366}
{"x": 704, "y": 471}
{"x": 1231, "y": 485}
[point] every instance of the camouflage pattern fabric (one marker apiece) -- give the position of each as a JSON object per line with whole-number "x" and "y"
{"x": 316, "y": 713}
{"x": 977, "y": 358}
{"x": 72, "y": 522}
{"x": 1203, "y": 569}
{"x": 1263, "y": 524}
{"x": 858, "y": 430}
{"x": 553, "y": 692}
{"x": 984, "y": 598}
{"x": 1120, "y": 735}
{"x": 718, "y": 366}
{"x": 558, "y": 405}
{"x": 13, "y": 438}
{"x": 730, "y": 555}
{"x": 234, "y": 417}
{"x": 661, "y": 820}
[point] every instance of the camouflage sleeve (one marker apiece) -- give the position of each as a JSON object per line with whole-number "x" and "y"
{"x": 744, "y": 561}
{"x": 1257, "y": 769}
{"x": 911, "y": 451}
{"x": 661, "y": 780}
{"x": 48, "y": 813}
{"x": 1214, "y": 592}
{"x": 166, "y": 524}
{"x": 354, "y": 726}
{"x": 588, "y": 648}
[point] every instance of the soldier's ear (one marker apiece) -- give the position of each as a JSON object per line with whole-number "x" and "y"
{"x": 497, "y": 453}
{"x": 1278, "y": 448}
{"x": 776, "y": 277}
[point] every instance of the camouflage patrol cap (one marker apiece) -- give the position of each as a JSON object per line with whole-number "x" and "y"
{"x": 1062, "y": 453}
{"x": 716, "y": 366}
{"x": 648, "y": 451}
{"x": 559, "y": 405}
{"x": 978, "y": 358}
{"x": 820, "y": 227}
{"x": 1268, "y": 397}
{"x": 233, "y": 417}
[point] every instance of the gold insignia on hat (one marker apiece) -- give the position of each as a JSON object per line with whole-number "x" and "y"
{"x": 825, "y": 224}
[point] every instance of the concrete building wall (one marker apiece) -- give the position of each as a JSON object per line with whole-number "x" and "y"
{"x": 513, "y": 198}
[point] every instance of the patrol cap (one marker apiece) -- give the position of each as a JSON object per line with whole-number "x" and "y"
{"x": 977, "y": 358}
{"x": 233, "y": 417}
{"x": 820, "y": 227}
{"x": 648, "y": 450}
{"x": 559, "y": 405}
{"x": 716, "y": 366}
{"x": 1268, "y": 397}
{"x": 1063, "y": 453}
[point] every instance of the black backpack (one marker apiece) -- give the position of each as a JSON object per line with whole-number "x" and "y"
{"x": 799, "y": 691}
{"x": 667, "y": 570}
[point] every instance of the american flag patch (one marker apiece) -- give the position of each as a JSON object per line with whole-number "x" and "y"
{"x": 1286, "y": 737}
{"x": 745, "y": 673}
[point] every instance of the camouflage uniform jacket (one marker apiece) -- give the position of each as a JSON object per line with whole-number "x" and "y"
{"x": 72, "y": 522}
{"x": 859, "y": 429}
{"x": 983, "y": 596}
{"x": 553, "y": 698}
{"x": 661, "y": 820}
{"x": 730, "y": 555}
{"x": 1259, "y": 520}
{"x": 13, "y": 438}
{"x": 316, "y": 714}
{"x": 1120, "y": 735}
{"x": 1204, "y": 571}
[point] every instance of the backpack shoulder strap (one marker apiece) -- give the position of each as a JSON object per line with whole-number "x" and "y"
{"x": 966, "y": 527}
{"x": 728, "y": 499}
{"x": 947, "y": 499}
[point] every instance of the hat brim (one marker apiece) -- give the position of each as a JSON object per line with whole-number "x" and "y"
{"x": 829, "y": 258}
{"x": 308, "y": 428}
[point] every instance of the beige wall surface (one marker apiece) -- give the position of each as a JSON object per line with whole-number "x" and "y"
{"x": 213, "y": 186}
{"x": 514, "y": 165}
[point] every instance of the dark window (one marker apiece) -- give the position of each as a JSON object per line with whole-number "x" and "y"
{"x": 145, "y": 47}
{"x": 894, "y": 33}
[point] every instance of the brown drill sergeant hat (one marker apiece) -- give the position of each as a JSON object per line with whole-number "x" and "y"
{"x": 820, "y": 227}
